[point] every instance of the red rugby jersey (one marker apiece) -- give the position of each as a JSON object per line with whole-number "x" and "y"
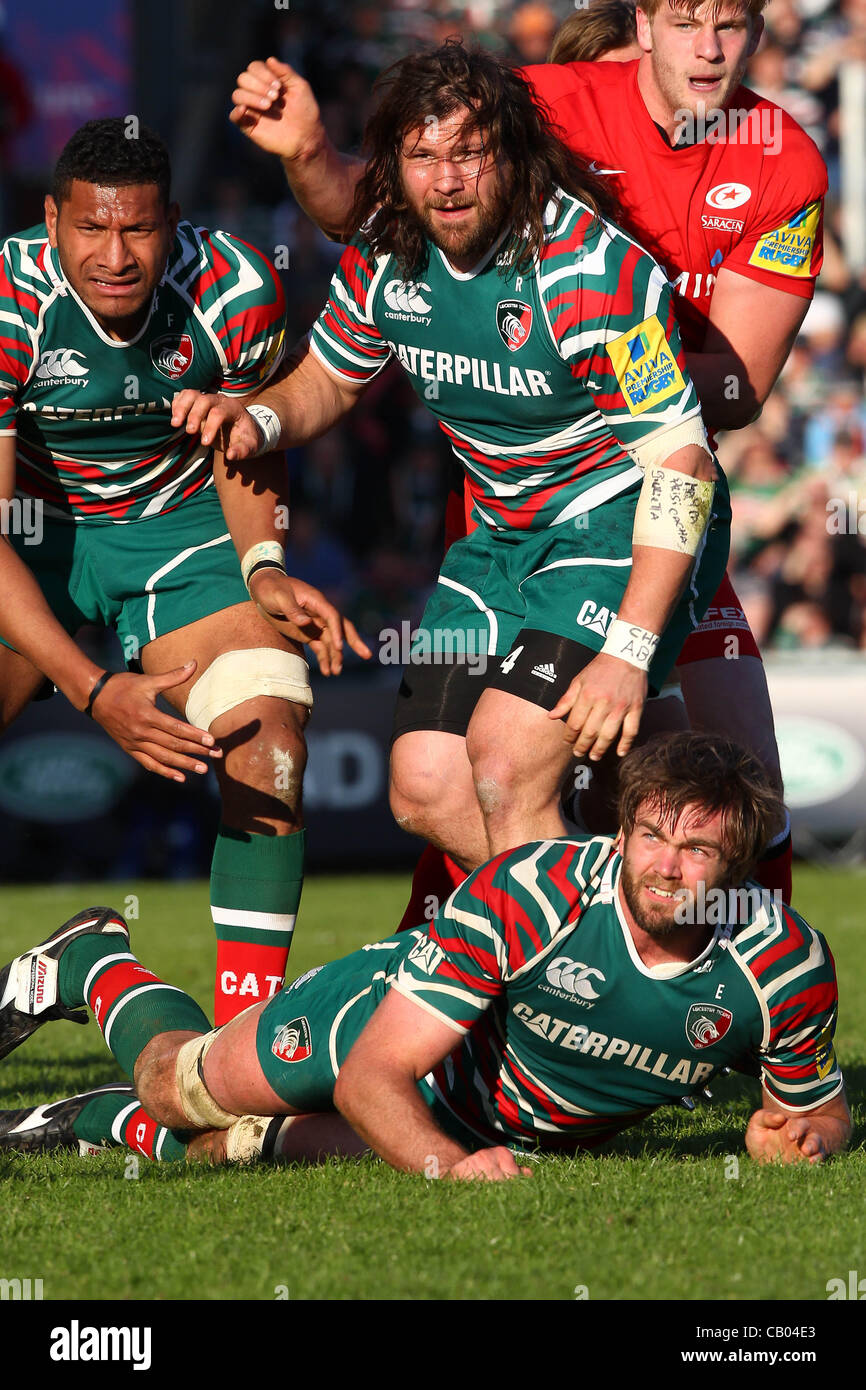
{"x": 752, "y": 204}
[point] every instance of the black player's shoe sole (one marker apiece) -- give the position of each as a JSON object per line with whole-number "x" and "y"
{"x": 40, "y": 1128}
{"x": 28, "y": 985}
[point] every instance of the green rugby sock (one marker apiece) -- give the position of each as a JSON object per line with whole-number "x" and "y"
{"x": 130, "y": 1004}
{"x": 256, "y": 883}
{"x": 112, "y": 1119}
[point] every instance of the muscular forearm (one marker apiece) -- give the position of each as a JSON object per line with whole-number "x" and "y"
{"x": 387, "y": 1110}
{"x": 324, "y": 181}
{"x": 728, "y": 399}
{"x": 308, "y": 399}
{"x": 255, "y": 499}
{"x": 32, "y": 629}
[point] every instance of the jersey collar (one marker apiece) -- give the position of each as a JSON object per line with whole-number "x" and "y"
{"x": 666, "y": 971}
{"x": 476, "y": 269}
{"x": 55, "y": 273}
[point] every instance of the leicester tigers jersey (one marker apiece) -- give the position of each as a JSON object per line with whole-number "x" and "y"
{"x": 93, "y": 416}
{"x": 568, "y": 1036}
{"x": 543, "y": 379}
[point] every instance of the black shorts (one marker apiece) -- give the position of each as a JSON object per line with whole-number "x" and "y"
{"x": 442, "y": 697}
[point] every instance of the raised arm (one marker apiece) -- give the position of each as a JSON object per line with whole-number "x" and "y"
{"x": 274, "y": 106}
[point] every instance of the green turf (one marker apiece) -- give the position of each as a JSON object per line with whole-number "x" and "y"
{"x": 657, "y": 1216}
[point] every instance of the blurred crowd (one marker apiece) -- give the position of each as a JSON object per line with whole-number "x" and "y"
{"x": 368, "y": 499}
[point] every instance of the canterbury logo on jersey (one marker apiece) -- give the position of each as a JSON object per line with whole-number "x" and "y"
{"x": 573, "y": 977}
{"x": 407, "y": 300}
{"x": 576, "y": 1037}
{"x": 457, "y": 370}
{"x": 59, "y": 365}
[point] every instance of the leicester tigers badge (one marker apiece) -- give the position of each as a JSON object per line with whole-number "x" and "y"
{"x": 294, "y": 1042}
{"x": 707, "y": 1024}
{"x": 172, "y": 354}
{"x": 514, "y": 321}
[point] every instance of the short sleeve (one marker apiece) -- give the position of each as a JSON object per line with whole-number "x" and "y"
{"x": 782, "y": 245}
{"x": 617, "y": 331}
{"x": 252, "y": 322}
{"x": 799, "y": 1065}
{"x": 344, "y": 337}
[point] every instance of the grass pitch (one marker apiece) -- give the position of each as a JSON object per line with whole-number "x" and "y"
{"x": 674, "y": 1210}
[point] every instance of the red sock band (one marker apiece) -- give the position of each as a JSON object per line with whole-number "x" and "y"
{"x": 140, "y": 1133}
{"x": 107, "y": 987}
{"x": 246, "y": 972}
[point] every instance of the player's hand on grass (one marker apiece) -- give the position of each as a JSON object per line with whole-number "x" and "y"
{"x": 275, "y": 107}
{"x": 221, "y": 422}
{"x": 773, "y": 1136}
{"x": 603, "y": 703}
{"x": 162, "y": 743}
{"x": 490, "y": 1165}
{"x": 303, "y": 614}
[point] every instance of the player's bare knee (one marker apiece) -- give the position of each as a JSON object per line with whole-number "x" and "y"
{"x": 155, "y": 1078}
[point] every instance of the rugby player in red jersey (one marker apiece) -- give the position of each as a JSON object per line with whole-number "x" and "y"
{"x": 725, "y": 189}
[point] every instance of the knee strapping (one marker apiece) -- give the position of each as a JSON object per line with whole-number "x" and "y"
{"x": 243, "y": 675}
{"x": 197, "y": 1103}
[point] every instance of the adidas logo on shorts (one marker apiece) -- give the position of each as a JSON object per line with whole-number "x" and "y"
{"x": 545, "y": 670}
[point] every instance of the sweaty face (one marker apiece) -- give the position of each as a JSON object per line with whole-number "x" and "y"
{"x": 697, "y": 62}
{"x": 113, "y": 244}
{"x": 663, "y": 864}
{"x": 455, "y": 188}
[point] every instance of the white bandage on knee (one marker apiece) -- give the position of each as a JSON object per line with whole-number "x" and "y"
{"x": 242, "y": 675}
{"x": 198, "y": 1104}
{"x": 673, "y": 508}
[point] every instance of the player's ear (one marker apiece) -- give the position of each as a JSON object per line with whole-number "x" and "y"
{"x": 172, "y": 217}
{"x": 52, "y": 212}
{"x": 644, "y": 34}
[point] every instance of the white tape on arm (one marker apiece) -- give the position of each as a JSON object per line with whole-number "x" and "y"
{"x": 630, "y": 643}
{"x": 269, "y": 427}
{"x": 673, "y": 510}
{"x": 264, "y": 555}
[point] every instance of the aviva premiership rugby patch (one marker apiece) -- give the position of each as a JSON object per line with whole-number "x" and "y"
{"x": 707, "y": 1024}
{"x": 294, "y": 1042}
{"x": 645, "y": 366}
{"x": 788, "y": 249}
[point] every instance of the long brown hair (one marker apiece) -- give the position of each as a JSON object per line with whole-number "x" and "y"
{"x": 711, "y": 774}
{"x": 515, "y": 128}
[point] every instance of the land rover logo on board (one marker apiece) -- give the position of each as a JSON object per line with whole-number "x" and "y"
{"x": 821, "y": 761}
{"x": 172, "y": 354}
{"x": 514, "y": 321}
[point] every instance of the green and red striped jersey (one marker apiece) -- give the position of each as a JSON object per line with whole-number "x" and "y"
{"x": 93, "y": 416}
{"x": 568, "y": 1037}
{"x": 543, "y": 380}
